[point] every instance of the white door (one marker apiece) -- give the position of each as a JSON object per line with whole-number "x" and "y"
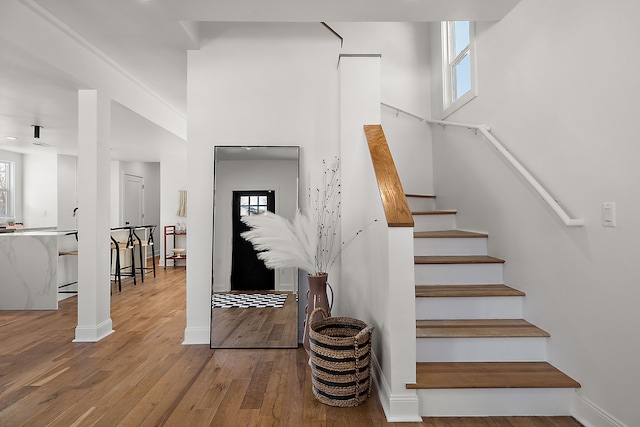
{"x": 133, "y": 200}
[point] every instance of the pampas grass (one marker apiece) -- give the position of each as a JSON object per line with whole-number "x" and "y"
{"x": 281, "y": 243}
{"x": 309, "y": 240}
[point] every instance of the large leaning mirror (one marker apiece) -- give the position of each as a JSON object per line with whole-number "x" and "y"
{"x": 252, "y": 306}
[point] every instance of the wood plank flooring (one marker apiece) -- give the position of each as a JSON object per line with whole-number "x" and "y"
{"x": 142, "y": 375}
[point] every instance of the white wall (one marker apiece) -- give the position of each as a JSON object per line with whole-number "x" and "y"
{"x": 266, "y": 84}
{"x": 560, "y": 89}
{"x": 40, "y": 191}
{"x": 278, "y": 175}
{"x": 252, "y": 84}
{"x": 16, "y": 158}
{"x": 404, "y": 72}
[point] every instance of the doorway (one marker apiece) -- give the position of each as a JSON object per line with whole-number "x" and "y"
{"x": 133, "y": 210}
{"x": 248, "y": 272}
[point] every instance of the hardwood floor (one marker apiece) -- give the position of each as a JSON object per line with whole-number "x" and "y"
{"x": 142, "y": 375}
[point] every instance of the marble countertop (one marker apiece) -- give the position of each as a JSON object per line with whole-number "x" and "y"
{"x": 43, "y": 231}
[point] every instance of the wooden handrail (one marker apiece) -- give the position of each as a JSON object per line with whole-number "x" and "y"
{"x": 394, "y": 201}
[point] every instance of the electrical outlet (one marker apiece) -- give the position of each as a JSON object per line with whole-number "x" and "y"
{"x": 608, "y": 214}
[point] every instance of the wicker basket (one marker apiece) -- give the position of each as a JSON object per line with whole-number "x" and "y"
{"x": 340, "y": 359}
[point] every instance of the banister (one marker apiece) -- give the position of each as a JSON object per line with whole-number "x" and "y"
{"x": 486, "y": 132}
{"x": 394, "y": 201}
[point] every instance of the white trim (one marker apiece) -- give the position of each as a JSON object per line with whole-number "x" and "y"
{"x": 94, "y": 333}
{"x": 397, "y": 408}
{"x": 590, "y": 415}
{"x": 194, "y": 335}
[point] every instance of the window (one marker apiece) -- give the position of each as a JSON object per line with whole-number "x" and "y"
{"x": 458, "y": 59}
{"x": 253, "y": 205}
{"x": 6, "y": 189}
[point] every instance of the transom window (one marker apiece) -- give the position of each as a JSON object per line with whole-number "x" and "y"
{"x": 6, "y": 189}
{"x": 458, "y": 64}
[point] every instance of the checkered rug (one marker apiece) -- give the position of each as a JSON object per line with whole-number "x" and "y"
{"x": 248, "y": 300}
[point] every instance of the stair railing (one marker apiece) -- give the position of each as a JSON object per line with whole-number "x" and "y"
{"x": 486, "y": 132}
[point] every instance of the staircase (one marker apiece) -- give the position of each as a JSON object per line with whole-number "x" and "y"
{"x": 476, "y": 356}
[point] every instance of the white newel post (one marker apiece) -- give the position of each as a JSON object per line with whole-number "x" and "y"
{"x": 94, "y": 303}
{"x": 377, "y": 281}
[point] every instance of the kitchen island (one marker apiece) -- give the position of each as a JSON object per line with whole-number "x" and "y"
{"x": 29, "y": 269}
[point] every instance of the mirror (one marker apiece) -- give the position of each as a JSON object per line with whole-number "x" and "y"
{"x": 252, "y": 306}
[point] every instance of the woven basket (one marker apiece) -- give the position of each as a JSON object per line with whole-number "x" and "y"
{"x": 340, "y": 358}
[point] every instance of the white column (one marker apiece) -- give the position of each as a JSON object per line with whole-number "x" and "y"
{"x": 94, "y": 301}
{"x": 376, "y": 282}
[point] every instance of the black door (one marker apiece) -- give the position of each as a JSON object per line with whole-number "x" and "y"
{"x": 248, "y": 272}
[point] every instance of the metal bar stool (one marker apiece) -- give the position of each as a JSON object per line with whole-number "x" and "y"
{"x": 143, "y": 244}
{"x": 117, "y": 247}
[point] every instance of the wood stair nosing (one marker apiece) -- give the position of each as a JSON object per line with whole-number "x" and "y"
{"x": 463, "y": 291}
{"x": 457, "y": 259}
{"x": 478, "y": 328}
{"x": 457, "y": 375}
{"x": 449, "y": 234}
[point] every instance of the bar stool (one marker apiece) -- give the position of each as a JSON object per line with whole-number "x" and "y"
{"x": 73, "y": 252}
{"x": 117, "y": 247}
{"x": 142, "y": 244}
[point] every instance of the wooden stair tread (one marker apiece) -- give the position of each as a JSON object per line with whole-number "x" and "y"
{"x": 439, "y": 375}
{"x": 457, "y": 259}
{"x": 439, "y": 212}
{"x": 452, "y": 291}
{"x": 441, "y": 234}
{"x": 477, "y": 328}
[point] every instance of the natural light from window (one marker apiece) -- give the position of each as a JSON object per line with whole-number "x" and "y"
{"x": 458, "y": 64}
{"x": 6, "y": 189}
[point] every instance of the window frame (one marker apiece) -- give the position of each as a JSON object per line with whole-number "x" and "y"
{"x": 10, "y": 190}
{"x": 450, "y": 105}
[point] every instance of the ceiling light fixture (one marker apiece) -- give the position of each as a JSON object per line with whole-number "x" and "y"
{"x": 36, "y": 131}
{"x": 11, "y": 137}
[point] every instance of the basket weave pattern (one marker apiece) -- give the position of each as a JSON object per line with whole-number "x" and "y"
{"x": 340, "y": 353}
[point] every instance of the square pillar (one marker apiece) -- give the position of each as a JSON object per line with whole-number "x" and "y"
{"x": 94, "y": 300}
{"x": 376, "y": 282}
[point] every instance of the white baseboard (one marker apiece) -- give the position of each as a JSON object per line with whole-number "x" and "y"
{"x": 590, "y": 415}
{"x": 94, "y": 333}
{"x": 397, "y": 408}
{"x": 194, "y": 336}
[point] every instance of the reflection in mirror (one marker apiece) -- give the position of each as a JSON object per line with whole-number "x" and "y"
{"x": 252, "y": 306}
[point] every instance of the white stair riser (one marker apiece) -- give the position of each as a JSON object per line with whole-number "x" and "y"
{"x": 450, "y": 246}
{"x": 421, "y": 204}
{"x": 453, "y": 274}
{"x": 469, "y": 308}
{"x": 434, "y": 222}
{"x": 495, "y": 349}
{"x": 495, "y": 402}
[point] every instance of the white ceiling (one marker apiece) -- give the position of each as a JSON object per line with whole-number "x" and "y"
{"x": 149, "y": 40}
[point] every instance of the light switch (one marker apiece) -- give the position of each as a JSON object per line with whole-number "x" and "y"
{"x": 608, "y": 214}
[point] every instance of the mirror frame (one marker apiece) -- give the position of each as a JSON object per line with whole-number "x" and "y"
{"x": 252, "y": 153}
